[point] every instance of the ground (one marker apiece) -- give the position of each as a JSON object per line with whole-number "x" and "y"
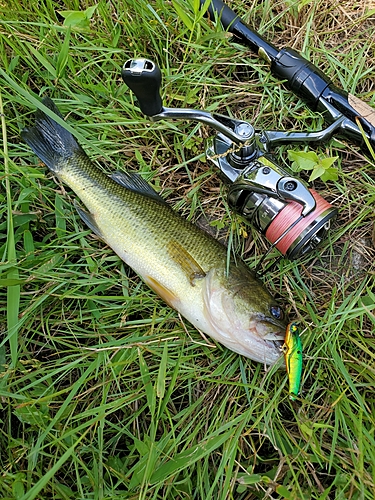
{"x": 105, "y": 391}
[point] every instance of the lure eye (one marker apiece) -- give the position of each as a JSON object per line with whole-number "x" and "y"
{"x": 293, "y": 328}
{"x": 277, "y": 312}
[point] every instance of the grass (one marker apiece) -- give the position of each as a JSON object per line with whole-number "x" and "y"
{"x": 105, "y": 391}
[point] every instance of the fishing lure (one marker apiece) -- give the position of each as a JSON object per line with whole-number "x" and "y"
{"x": 292, "y": 350}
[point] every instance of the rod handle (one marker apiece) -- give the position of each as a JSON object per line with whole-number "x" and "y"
{"x": 226, "y": 14}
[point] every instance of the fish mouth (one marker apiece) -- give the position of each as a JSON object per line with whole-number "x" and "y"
{"x": 275, "y": 347}
{"x": 275, "y": 337}
{"x": 275, "y": 343}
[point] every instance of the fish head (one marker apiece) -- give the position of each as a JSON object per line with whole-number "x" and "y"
{"x": 243, "y": 315}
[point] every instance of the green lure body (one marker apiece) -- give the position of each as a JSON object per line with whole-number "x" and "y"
{"x": 293, "y": 358}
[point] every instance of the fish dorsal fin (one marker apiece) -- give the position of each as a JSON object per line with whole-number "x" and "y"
{"x": 89, "y": 220}
{"x": 188, "y": 264}
{"x": 136, "y": 183}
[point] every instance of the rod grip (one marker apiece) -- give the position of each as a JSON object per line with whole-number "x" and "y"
{"x": 310, "y": 84}
{"x": 226, "y": 14}
{"x": 143, "y": 77}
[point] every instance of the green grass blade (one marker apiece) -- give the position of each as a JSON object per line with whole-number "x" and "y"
{"x": 105, "y": 391}
{"x": 43, "y": 482}
{"x": 189, "y": 457}
{"x": 13, "y": 291}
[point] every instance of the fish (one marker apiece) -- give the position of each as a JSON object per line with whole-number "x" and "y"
{"x": 184, "y": 265}
{"x": 293, "y": 358}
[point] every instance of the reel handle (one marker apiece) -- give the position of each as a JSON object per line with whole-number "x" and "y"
{"x": 143, "y": 77}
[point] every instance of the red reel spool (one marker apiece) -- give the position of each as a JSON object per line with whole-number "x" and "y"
{"x": 297, "y": 238}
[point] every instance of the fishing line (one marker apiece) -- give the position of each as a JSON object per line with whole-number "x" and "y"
{"x": 274, "y": 245}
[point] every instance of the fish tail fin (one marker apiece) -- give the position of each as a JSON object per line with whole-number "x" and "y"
{"x": 51, "y": 142}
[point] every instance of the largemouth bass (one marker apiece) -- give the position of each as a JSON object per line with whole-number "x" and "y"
{"x": 185, "y": 266}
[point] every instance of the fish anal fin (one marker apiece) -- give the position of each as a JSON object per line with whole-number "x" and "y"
{"x": 165, "y": 293}
{"x": 89, "y": 220}
{"x": 184, "y": 259}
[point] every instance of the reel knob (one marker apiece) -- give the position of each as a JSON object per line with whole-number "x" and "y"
{"x": 143, "y": 77}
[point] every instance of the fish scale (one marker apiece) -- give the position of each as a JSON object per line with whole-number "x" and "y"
{"x": 184, "y": 265}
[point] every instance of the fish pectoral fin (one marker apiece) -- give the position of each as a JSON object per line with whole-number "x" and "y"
{"x": 185, "y": 260}
{"x": 165, "y": 293}
{"x": 89, "y": 220}
{"x": 136, "y": 183}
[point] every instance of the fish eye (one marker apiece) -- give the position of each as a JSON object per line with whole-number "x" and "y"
{"x": 277, "y": 312}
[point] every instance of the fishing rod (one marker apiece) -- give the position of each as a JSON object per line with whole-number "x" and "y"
{"x": 304, "y": 79}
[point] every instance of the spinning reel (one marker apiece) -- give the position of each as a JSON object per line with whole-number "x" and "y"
{"x": 294, "y": 218}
